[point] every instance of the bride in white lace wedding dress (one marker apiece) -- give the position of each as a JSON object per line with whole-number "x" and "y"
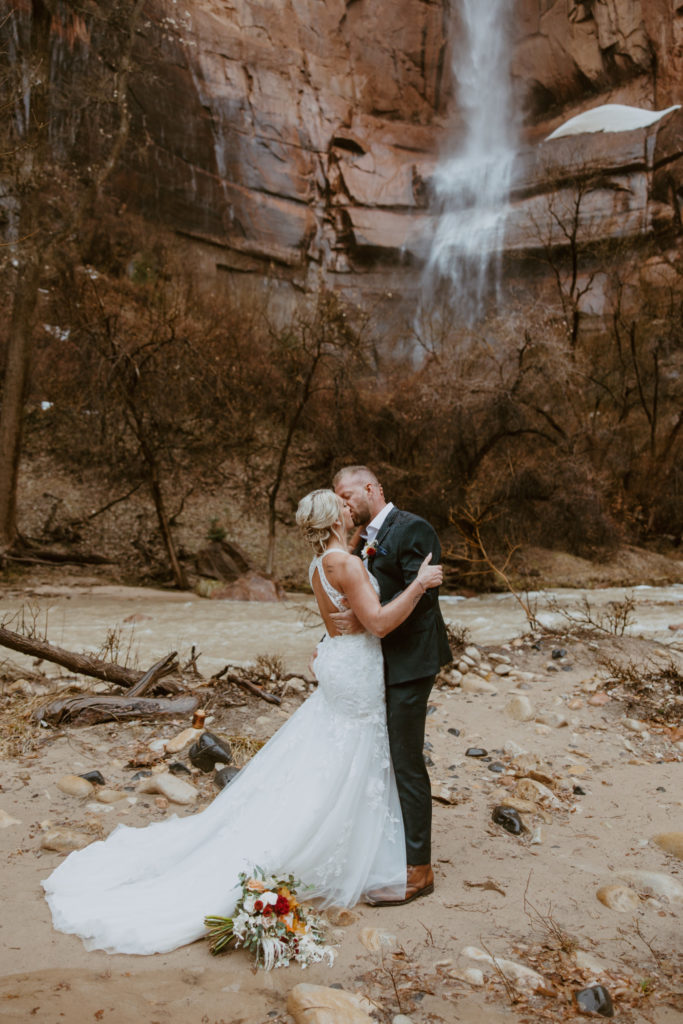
{"x": 318, "y": 801}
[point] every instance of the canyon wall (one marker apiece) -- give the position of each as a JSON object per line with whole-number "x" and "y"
{"x": 294, "y": 140}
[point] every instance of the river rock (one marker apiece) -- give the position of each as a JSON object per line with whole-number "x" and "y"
{"x": 509, "y": 818}
{"x": 655, "y": 883}
{"x": 513, "y": 749}
{"x": 225, "y": 775}
{"x": 635, "y": 725}
{"x": 252, "y": 586}
{"x": 64, "y": 840}
{"x": 555, "y": 719}
{"x": 520, "y": 708}
{"x": 517, "y": 804}
{"x": 530, "y": 789}
{"x": 598, "y": 699}
{"x": 595, "y": 999}
{"x": 209, "y": 750}
{"x": 75, "y": 785}
{"x": 520, "y": 975}
{"x": 109, "y": 796}
{"x": 671, "y": 842}
{"x": 474, "y": 976}
{"x": 316, "y": 1004}
{"x": 6, "y": 820}
{"x": 473, "y": 652}
{"x": 502, "y": 669}
{"x": 183, "y": 738}
{"x": 374, "y": 939}
{"x": 173, "y": 788}
{"x": 619, "y": 898}
{"x": 472, "y": 683}
{"x": 94, "y": 775}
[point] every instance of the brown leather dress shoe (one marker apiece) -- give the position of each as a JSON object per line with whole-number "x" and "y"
{"x": 419, "y": 882}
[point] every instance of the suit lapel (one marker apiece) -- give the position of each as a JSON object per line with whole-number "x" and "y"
{"x": 386, "y": 526}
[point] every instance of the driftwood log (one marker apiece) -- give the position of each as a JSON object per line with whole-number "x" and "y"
{"x": 83, "y": 664}
{"x": 86, "y": 710}
{"x": 231, "y": 676}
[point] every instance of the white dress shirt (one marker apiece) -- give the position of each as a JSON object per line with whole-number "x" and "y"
{"x": 373, "y": 527}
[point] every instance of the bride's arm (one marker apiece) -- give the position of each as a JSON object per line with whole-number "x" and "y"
{"x": 364, "y": 602}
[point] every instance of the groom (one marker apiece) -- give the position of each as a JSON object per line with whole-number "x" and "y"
{"x": 395, "y": 543}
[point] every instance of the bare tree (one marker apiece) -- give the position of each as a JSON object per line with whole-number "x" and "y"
{"x": 64, "y": 85}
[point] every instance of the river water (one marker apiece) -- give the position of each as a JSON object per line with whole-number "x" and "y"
{"x": 145, "y": 624}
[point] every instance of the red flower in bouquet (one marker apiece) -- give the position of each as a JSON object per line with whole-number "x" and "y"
{"x": 282, "y": 905}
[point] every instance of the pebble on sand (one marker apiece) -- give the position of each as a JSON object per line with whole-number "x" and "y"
{"x": 317, "y": 1004}
{"x": 619, "y": 898}
{"x": 64, "y": 840}
{"x": 177, "y": 743}
{"x": 109, "y": 796}
{"x": 655, "y": 883}
{"x": 521, "y": 976}
{"x": 75, "y": 785}
{"x": 530, "y": 789}
{"x": 671, "y": 842}
{"x": 555, "y": 719}
{"x": 374, "y": 939}
{"x": 520, "y": 708}
{"x": 472, "y": 683}
{"x": 173, "y": 788}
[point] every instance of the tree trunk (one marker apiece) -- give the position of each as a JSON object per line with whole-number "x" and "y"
{"x": 15, "y": 387}
{"x": 159, "y": 504}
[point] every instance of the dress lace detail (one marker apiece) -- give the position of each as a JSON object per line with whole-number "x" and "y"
{"x": 335, "y": 596}
{"x": 318, "y": 800}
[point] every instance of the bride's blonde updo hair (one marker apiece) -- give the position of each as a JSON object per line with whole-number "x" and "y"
{"x": 316, "y": 515}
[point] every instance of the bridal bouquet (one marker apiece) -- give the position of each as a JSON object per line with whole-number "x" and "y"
{"x": 270, "y": 921}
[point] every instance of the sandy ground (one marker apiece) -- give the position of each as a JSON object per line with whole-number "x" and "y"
{"x": 530, "y": 898}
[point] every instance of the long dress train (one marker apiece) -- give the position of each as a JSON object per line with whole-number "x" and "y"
{"x": 318, "y": 801}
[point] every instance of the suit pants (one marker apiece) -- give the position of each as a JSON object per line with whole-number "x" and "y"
{"x": 406, "y": 716}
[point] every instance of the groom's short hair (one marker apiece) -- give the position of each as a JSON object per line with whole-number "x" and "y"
{"x": 355, "y": 471}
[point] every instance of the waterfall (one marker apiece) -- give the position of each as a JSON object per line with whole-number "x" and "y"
{"x": 471, "y": 184}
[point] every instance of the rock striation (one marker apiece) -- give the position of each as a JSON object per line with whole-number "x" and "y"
{"x": 297, "y": 140}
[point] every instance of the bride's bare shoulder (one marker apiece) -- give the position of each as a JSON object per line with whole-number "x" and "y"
{"x": 342, "y": 566}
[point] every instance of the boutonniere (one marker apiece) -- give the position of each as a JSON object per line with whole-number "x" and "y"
{"x": 371, "y": 549}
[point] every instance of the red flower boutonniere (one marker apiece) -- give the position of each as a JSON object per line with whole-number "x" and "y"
{"x": 370, "y": 550}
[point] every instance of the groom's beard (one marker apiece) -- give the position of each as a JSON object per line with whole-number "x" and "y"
{"x": 361, "y": 516}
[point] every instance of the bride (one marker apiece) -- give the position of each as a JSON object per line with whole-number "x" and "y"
{"x": 318, "y": 801}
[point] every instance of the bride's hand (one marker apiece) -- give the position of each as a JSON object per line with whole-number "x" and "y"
{"x": 429, "y": 576}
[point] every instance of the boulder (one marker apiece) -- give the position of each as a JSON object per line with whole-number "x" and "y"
{"x": 252, "y": 586}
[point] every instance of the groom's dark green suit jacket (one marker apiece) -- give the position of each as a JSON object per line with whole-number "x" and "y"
{"x": 419, "y": 646}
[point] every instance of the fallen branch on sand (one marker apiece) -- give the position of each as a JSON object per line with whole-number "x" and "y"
{"x": 83, "y": 664}
{"x": 239, "y": 680}
{"x": 90, "y": 708}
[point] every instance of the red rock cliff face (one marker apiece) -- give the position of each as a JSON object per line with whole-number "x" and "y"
{"x": 297, "y": 137}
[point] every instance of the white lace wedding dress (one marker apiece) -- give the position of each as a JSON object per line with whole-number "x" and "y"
{"x": 318, "y": 801}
